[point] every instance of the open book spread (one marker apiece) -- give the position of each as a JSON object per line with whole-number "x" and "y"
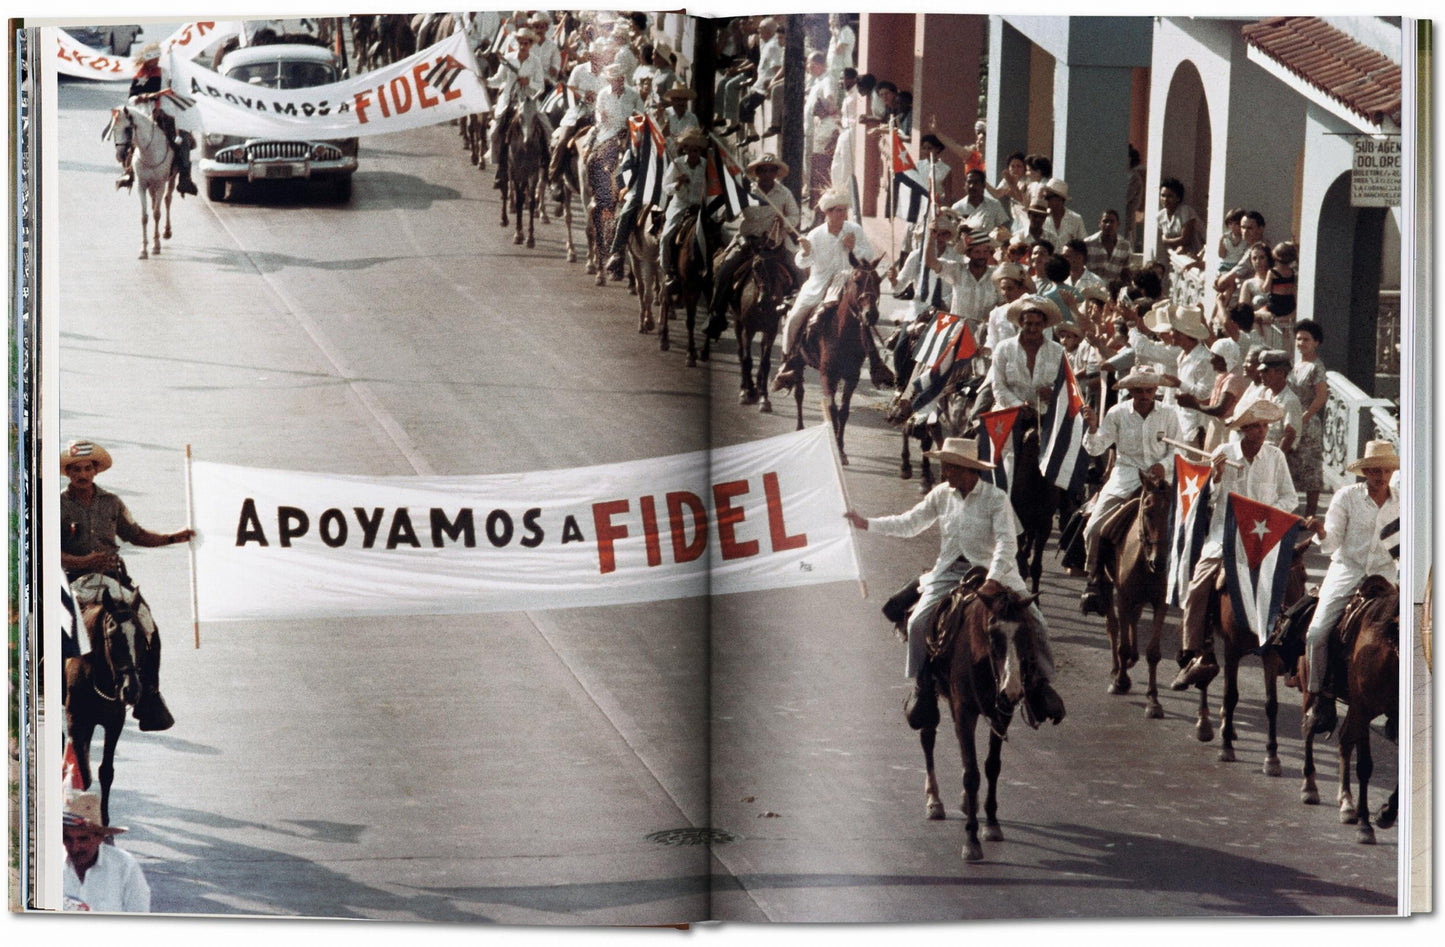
{"x": 601, "y": 468}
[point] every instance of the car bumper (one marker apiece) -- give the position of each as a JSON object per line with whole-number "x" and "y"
{"x": 277, "y": 169}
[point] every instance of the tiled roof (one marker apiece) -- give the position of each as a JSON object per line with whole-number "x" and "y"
{"x": 1361, "y": 79}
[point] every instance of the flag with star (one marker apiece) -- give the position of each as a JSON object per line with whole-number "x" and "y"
{"x": 1188, "y": 524}
{"x": 998, "y": 427}
{"x": 1259, "y": 545}
{"x": 945, "y": 345}
{"x": 1062, "y": 459}
{"x": 910, "y": 189}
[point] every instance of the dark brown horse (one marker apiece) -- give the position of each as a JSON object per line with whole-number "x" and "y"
{"x": 647, "y": 282}
{"x": 1033, "y": 496}
{"x": 525, "y": 139}
{"x": 1365, "y": 654}
{"x": 759, "y": 307}
{"x": 100, "y": 684}
{"x": 1138, "y": 570}
{"x": 693, "y": 285}
{"x": 835, "y": 343}
{"x": 975, "y": 654}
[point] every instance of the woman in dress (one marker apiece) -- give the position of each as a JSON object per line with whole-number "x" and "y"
{"x": 1307, "y": 380}
{"x": 1179, "y": 228}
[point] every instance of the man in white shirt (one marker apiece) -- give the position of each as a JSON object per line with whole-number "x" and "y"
{"x": 586, "y": 82}
{"x": 1025, "y": 365}
{"x": 978, "y": 210}
{"x": 1361, "y": 535}
{"x": 1133, "y": 428}
{"x": 1256, "y": 470}
{"x": 770, "y": 74}
{"x": 976, "y": 527}
{"x": 98, "y": 876}
{"x": 1061, "y": 225}
{"x": 1274, "y": 367}
{"x": 974, "y": 293}
{"x": 682, "y": 188}
{"x": 1009, "y": 279}
{"x": 777, "y": 213}
{"x": 1186, "y": 359}
{"x": 518, "y": 75}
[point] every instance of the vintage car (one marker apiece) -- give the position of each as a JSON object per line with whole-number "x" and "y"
{"x": 228, "y": 158}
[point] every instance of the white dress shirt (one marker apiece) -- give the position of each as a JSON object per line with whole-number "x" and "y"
{"x": 980, "y": 527}
{"x": 1352, "y": 535}
{"x": 1265, "y": 480}
{"x": 1013, "y": 383}
{"x": 114, "y": 883}
{"x": 614, "y": 110}
{"x": 1071, "y": 227}
{"x": 682, "y": 187}
{"x": 1194, "y": 370}
{"x": 829, "y": 257}
{"x": 1136, "y": 443}
{"x": 973, "y": 297}
{"x": 758, "y": 216}
{"x": 999, "y": 326}
{"x": 988, "y": 214}
{"x": 582, "y": 80}
{"x": 509, "y": 80}
{"x": 770, "y": 64}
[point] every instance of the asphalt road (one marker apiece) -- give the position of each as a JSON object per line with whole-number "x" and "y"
{"x": 511, "y": 768}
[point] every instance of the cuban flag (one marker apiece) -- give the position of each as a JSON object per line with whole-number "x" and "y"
{"x": 910, "y": 187}
{"x": 1259, "y": 545}
{"x": 1390, "y": 539}
{"x": 1062, "y": 458}
{"x": 648, "y": 159}
{"x": 945, "y": 344}
{"x": 1188, "y": 524}
{"x": 998, "y": 429}
{"x": 723, "y": 190}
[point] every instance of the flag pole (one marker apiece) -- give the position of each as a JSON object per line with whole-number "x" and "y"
{"x": 848, "y": 505}
{"x": 1195, "y": 450}
{"x": 191, "y": 547}
{"x": 892, "y": 190}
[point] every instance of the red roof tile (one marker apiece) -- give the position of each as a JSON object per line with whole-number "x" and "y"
{"x": 1361, "y": 79}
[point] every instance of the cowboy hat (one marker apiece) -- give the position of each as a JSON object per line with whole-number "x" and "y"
{"x": 692, "y": 138}
{"x": 77, "y": 451}
{"x": 961, "y": 451}
{"x": 1057, "y": 186}
{"x": 1039, "y": 304}
{"x": 1189, "y": 320}
{"x": 977, "y": 238}
{"x": 1007, "y": 271}
{"x": 677, "y": 94}
{"x": 1093, "y": 291}
{"x": 1145, "y": 376}
{"x": 1159, "y": 318}
{"x": 833, "y": 199}
{"x": 541, "y": 16}
{"x": 614, "y": 71}
{"x": 148, "y": 52}
{"x": 1070, "y": 327}
{"x": 1260, "y": 410}
{"x": 528, "y": 34}
{"x": 1039, "y": 205}
{"x": 83, "y": 809}
{"x": 1377, "y": 454}
{"x": 769, "y": 159}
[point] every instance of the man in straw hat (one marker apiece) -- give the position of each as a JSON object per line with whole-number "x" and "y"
{"x": 98, "y": 876}
{"x": 1061, "y": 224}
{"x": 974, "y": 293}
{"x": 586, "y": 82}
{"x": 682, "y": 188}
{"x": 1255, "y": 469}
{"x": 1012, "y": 282}
{"x": 764, "y": 220}
{"x": 1025, "y": 365}
{"x": 1133, "y": 428}
{"x": 1361, "y": 535}
{"x": 91, "y": 521}
{"x": 675, "y": 116}
{"x": 1185, "y": 357}
{"x": 922, "y": 284}
{"x": 519, "y": 74}
{"x": 146, "y": 86}
{"x": 976, "y": 527}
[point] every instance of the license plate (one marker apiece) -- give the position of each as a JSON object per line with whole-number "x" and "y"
{"x": 278, "y": 170}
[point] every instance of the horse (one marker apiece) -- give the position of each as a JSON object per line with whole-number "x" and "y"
{"x": 758, "y": 308}
{"x": 642, "y": 253}
{"x": 153, "y": 163}
{"x": 975, "y": 658}
{"x": 1239, "y": 642}
{"x": 1367, "y": 671}
{"x": 943, "y": 418}
{"x": 600, "y": 168}
{"x": 1033, "y": 496}
{"x": 693, "y": 284}
{"x": 100, "y": 684}
{"x": 1138, "y": 567}
{"x": 525, "y": 139}
{"x": 569, "y": 181}
{"x": 835, "y": 344}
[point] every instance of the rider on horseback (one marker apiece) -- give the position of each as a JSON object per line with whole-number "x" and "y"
{"x": 754, "y": 233}
{"x": 1133, "y": 428}
{"x": 1361, "y": 534}
{"x": 518, "y": 74}
{"x": 682, "y": 189}
{"x": 615, "y": 105}
{"x": 1255, "y": 469}
{"x": 585, "y": 82}
{"x": 976, "y": 527}
{"x": 147, "y": 87}
{"x": 91, "y": 520}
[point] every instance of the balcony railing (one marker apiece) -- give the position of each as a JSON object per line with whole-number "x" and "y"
{"x": 1351, "y": 419}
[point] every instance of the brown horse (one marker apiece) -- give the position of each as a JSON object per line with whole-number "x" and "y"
{"x": 975, "y": 653}
{"x": 693, "y": 286}
{"x": 642, "y": 255}
{"x": 1138, "y": 567}
{"x": 100, "y": 684}
{"x": 758, "y": 308}
{"x": 1033, "y": 496}
{"x": 1365, "y": 654}
{"x": 1239, "y": 642}
{"x": 835, "y": 343}
{"x": 525, "y": 139}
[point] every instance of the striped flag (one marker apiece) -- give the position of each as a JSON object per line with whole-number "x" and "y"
{"x": 1188, "y": 524}
{"x": 1062, "y": 459}
{"x": 998, "y": 429}
{"x": 1390, "y": 537}
{"x": 444, "y": 73}
{"x": 945, "y": 343}
{"x": 1259, "y": 545}
{"x": 71, "y": 628}
{"x": 722, "y": 184}
{"x": 648, "y": 159}
{"x": 910, "y": 188}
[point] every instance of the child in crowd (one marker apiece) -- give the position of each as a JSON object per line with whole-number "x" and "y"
{"x": 1232, "y": 246}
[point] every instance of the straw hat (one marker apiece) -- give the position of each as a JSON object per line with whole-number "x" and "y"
{"x": 1377, "y": 454}
{"x": 833, "y": 199}
{"x": 1159, "y": 318}
{"x": 692, "y": 138}
{"x": 1093, "y": 291}
{"x": 1033, "y": 303}
{"x": 148, "y": 52}
{"x": 83, "y": 809}
{"x": 1145, "y": 376}
{"x": 614, "y": 71}
{"x": 962, "y": 451}
{"x": 1274, "y": 358}
{"x": 679, "y": 93}
{"x": 1039, "y": 205}
{"x": 85, "y": 450}
{"x": 1189, "y": 320}
{"x": 1068, "y": 326}
{"x": 1258, "y": 410}
{"x": 1005, "y": 271}
{"x": 1057, "y": 186}
{"x": 528, "y": 34}
{"x": 769, "y": 159}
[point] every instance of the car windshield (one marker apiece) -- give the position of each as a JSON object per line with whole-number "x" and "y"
{"x": 285, "y": 75}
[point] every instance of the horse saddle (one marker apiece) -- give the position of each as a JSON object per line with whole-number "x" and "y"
{"x": 941, "y": 635}
{"x": 1373, "y": 587}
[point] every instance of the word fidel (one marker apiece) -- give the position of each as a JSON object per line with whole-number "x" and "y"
{"x": 686, "y": 526}
{"x": 394, "y": 97}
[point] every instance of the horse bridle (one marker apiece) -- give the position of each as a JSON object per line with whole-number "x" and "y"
{"x": 112, "y": 618}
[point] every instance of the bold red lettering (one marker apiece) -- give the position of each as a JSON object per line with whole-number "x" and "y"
{"x": 684, "y": 550}
{"x": 649, "y": 531}
{"x": 381, "y": 100}
{"x": 602, "y": 514}
{"x": 418, "y": 75}
{"x": 781, "y": 540}
{"x": 729, "y": 516}
{"x": 362, "y": 100}
{"x": 452, "y": 93}
{"x": 401, "y": 101}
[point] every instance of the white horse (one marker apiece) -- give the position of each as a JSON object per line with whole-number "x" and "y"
{"x": 152, "y": 163}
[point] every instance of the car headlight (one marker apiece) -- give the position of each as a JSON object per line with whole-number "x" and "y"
{"x": 213, "y": 139}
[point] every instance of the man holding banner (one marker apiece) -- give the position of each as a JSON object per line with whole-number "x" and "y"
{"x": 147, "y": 87}
{"x": 1361, "y": 535}
{"x": 976, "y": 527}
{"x": 1250, "y": 467}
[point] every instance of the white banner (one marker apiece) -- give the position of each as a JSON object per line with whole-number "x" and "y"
{"x": 74, "y": 59}
{"x": 279, "y": 544}
{"x": 435, "y": 85}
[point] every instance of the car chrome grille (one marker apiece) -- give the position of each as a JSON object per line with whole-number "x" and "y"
{"x": 278, "y": 150}
{"x": 325, "y": 153}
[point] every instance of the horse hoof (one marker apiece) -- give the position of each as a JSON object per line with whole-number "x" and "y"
{"x": 992, "y": 833}
{"x": 905, "y": 473}
{"x": 591, "y": 267}
{"x": 1348, "y": 815}
{"x": 601, "y": 279}
{"x": 664, "y": 344}
{"x": 167, "y": 234}
{"x": 934, "y": 811}
{"x": 1272, "y": 768}
{"x": 571, "y": 256}
{"x": 1120, "y": 684}
{"x": 767, "y": 407}
{"x": 972, "y": 851}
{"x": 144, "y": 255}
{"x": 517, "y": 240}
{"x": 1204, "y": 731}
{"x": 1309, "y": 796}
{"x": 1152, "y": 710}
{"x": 1226, "y": 754}
{"x": 692, "y": 361}
{"x": 842, "y": 458}
{"x": 1366, "y": 835}
{"x": 747, "y": 397}
{"x": 531, "y": 243}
